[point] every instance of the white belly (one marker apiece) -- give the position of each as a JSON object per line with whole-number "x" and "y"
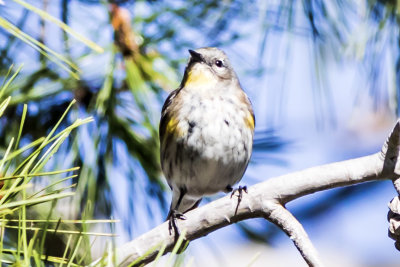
{"x": 214, "y": 152}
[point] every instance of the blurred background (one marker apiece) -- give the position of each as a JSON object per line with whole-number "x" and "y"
{"x": 323, "y": 76}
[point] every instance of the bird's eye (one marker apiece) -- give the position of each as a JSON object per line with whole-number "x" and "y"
{"x": 218, "y": 63}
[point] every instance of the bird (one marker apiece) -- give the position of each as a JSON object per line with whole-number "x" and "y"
{"x": 206, "y": 132}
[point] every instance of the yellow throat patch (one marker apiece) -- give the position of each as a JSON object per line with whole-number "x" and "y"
{"x": 196, "y": 78}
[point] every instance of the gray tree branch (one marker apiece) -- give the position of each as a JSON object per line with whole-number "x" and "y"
{"x": 267, "y": 200}
{"x": 293, "y": 228}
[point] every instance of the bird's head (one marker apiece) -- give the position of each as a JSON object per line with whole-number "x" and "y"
{"x": 208, "y": 66}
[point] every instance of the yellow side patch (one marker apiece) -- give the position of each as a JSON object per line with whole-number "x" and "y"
{"x": 197, "y": 78}
{"x": 173, "y": 128}
{"x": 250, "y": 121}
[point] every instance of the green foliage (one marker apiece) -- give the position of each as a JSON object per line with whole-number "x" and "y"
{"x": 24, "y": 240}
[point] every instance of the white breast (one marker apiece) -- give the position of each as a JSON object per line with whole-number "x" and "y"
{"x": 216, "y": 150}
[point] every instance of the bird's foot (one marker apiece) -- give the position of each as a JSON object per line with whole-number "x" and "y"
{"x": 240, "y": 191}
{"x": 172, "y": 217}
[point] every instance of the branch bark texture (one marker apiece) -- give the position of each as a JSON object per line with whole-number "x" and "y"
{"x": 268, "y": 199}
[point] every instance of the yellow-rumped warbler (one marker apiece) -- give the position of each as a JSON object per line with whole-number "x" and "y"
{"x": 206, "y": 131}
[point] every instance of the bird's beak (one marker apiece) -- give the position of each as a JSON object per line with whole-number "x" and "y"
{"x": 196, "y": 57}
